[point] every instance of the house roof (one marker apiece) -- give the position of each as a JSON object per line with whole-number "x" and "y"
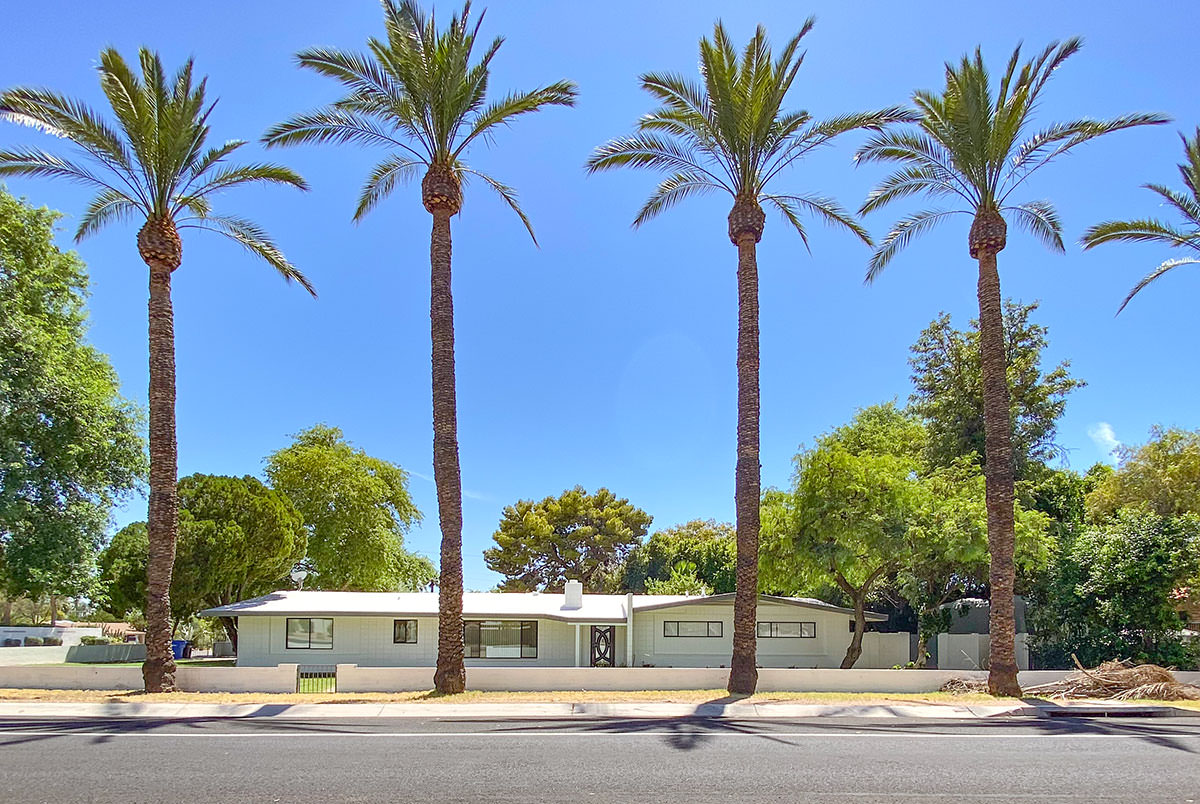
{"x": 595, "y": 608}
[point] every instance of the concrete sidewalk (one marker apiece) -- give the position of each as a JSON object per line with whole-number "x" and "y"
{"x": 505, "y": 711}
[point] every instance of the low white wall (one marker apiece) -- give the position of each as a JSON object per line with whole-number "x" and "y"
{"x": 281, "y": 678}
{"x": 352, "y": 678}
{"x": 71, "y": 678}
{"x": 884, "y": 651}
{"x": 69, "y": 634}
{"x": 53, "y": 654}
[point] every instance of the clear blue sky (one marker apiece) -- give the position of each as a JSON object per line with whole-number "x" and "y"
{"x": 607, "y": 356}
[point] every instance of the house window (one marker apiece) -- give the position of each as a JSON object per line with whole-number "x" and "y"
{"x": 310, "y": 633}
{"x": 404, "y": 631}
{"x": 787, "y": 630}
{"x": 500, "y": 639}
{"x": 693, "y": 628}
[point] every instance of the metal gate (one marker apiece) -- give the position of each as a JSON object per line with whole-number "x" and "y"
{"x": 316, "y": 678}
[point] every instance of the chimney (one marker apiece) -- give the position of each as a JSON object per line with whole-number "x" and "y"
{"x": 573, "y": 592}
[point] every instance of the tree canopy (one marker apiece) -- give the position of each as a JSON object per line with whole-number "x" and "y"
{"x": 356, "y": 509}
{"x": 575, "y": 536}
{"x": 70, "y": 444}
{"x": 1162, "y": 476}
{"x": 703, "y": 551}
{"x": 948, "y": 394}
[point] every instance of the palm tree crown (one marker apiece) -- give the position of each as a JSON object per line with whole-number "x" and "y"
{"x": 972, "y": 142}
{"x": 419, "y": 93}
{"x": 730, "y": 133}
{"x": 154, "y": 164}
{"x": 1150, "y": 230}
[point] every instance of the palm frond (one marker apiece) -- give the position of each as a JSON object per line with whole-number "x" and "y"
{"x": 509, "y": 195}
{"x": 789, "y": 213}
{"x": 383, "y": 179}
{"x": 1041, "y": 220}
{"x": 255, "y": 173}
{"x": 671, "y": 191}
{"x": 1189, "y": 208}
{"x": 1154, "y": 275}
{"x": 503, "y": 111}
{"x": 901, "y": 235}
{"x": 827, "y": 210}
{"x": 105, "y": 208}
{"x": 254, "y": 239}
{"x": 1137, "y": 231}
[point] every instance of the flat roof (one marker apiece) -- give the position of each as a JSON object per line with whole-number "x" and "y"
{"x": 545, "y": 605}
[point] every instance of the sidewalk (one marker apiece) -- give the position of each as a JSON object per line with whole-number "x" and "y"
{"x": 506, "y": 711}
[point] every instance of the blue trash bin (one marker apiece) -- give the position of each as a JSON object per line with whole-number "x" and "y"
{"x": 177, "y": 646}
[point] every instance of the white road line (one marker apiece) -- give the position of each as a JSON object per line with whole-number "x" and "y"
{"x": 560, "y": 734}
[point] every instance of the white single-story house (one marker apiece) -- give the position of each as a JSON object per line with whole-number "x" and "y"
{"x": 573, "y": 629}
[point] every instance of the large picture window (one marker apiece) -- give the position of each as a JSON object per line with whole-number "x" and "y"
{"x": 693, "y": 628}
{"x": 778, "y": 630}
{"x": 310, "y": 633}
{"x": 500, "y": 639}
{"x": 404, "y": 631}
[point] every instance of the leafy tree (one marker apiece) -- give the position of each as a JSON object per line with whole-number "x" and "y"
{"x": 1112, "y": 589}
{"x": 152, "y": 168}
{"x": 847, "y": 516}
{"x": 705, "y": 548}
{"x": 972, "y": 144}
{"x": 948, "y": 395}
{"x": 1150, "y": 230}
{"x": 730, "y": 134}
{"x": 683, "y": 580}
{"x": 356, "y": 509}
{"x": 122, "y": 576}
{"x": 1161, "y": 476}
{"x": 417, "y": 94}
{"x": 239, "y": 539}
{"x": 575, "y": 536}
{"x": 70, "y": 445}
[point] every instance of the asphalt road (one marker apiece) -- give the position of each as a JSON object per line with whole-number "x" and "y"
{"x": 685, "y": 760}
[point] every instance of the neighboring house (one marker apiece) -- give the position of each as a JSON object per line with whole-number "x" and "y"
{"x": 965, "y": 646}
{"x": 384, "y": 629}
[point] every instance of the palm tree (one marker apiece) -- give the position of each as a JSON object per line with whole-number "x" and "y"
{"x": 1155, "y": 231}
{"x": 418, "y": 94}
{"x": 153, "y": 168}
{"x": 730, "y": 134}
{"x": 972, "y": 143}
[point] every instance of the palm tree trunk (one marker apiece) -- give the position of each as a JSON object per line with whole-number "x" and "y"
{"x": 998, "y": 475}
{"x": 743, "y": 674}
{"x": 451, "y": 675}
{"x": 53, "y": 610}
{"x": 158, "y": 672}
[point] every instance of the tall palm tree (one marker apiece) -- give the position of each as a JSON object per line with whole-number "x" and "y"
{"x": 418, "y": 94}
{"x": 972, "y": 143}
{"x": 153, "y": 167}
{"x": 1155, "y": 231}
{"x": 729, "y": 133}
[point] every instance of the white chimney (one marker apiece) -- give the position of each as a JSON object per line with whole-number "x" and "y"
{"x": 573, "y": 592}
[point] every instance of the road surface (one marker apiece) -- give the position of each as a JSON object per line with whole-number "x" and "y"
{"x": 684, "y": 760}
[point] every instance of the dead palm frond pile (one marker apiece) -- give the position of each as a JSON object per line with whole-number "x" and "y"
{"x": 1119, "y": 680}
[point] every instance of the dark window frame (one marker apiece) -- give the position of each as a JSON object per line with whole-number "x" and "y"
{"x": 528, "y": 640}
{"x": 774, "y": 630}
{"x": 287, "y": 635}
{"x": 410, "y": 628}
{"x": 708, "y": 629}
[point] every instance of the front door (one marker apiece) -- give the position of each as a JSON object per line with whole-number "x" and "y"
{"x": 604, "y": 637}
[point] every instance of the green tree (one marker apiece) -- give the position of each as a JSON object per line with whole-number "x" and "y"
{"x": 356, "y": 509}
{"x": 575, "y": 536}
{"x": 683, "y": 580}
{"x": 1161, "y": 476}
{"x": 1112, "y": 589}
{"x": 70, "y": 445}
{"x": 848, "y": 514}
{"x": 152, "y": 168}
{"x": 122, "y": 576}
{"x": 1151, "y": 230}
{"x": 239, "y": 539}
{"x": 418, "y": 94}
{"x": 703, "y": 547}
{"x": 730, "y": 134}
{"x": 972, "y": 144}
{"x": 948, "y": 390}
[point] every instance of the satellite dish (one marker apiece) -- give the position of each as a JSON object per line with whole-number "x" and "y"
{"x": 298, "y": 575}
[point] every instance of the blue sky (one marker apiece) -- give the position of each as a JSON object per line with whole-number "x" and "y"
{"x": 607, "y": 356}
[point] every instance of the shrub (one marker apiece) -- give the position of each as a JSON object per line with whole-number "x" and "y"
{"x": 99, "y": 640}
{"x": 55, "y": 641}
{"x": 33, "y": 642}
